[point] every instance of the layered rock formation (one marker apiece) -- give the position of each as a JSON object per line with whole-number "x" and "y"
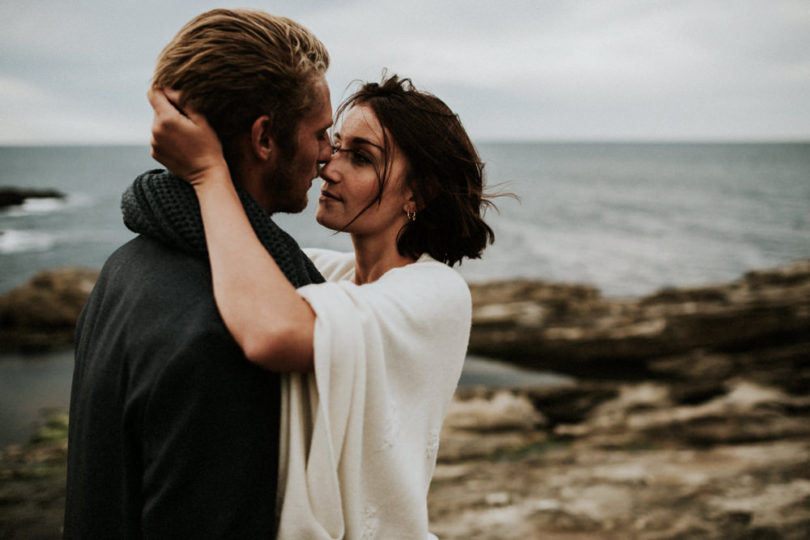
{"x": 759, "y": 324}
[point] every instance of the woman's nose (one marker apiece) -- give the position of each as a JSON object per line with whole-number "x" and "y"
{"x": 328, "y": 172}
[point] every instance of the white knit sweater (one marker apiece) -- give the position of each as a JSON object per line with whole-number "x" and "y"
{"x": 359, "y": 436}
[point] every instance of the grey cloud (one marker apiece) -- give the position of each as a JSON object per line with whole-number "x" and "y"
{"x": 512, "y": 69}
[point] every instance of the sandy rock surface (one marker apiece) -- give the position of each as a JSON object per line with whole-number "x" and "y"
{"x": 638, "y": 465}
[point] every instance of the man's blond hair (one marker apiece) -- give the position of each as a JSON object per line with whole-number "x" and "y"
{"x": 234, "y": 66}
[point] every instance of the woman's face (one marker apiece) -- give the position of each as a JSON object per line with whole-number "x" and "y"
{"x": 351, "y": 179}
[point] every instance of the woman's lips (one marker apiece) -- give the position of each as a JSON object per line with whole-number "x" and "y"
{"x": 327, "y": 195}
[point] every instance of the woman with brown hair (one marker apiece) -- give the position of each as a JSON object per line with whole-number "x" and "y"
{"x": 374, "y": 354}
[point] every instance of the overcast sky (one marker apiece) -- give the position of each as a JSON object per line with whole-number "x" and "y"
{"x": 77, "y": 71}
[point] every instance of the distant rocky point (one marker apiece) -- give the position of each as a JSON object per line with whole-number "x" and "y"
{"x": 12, "y": 196}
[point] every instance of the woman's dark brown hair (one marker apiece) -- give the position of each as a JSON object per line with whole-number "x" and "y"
{"x": 444, "y": 170}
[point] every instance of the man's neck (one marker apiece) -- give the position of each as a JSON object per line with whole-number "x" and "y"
{"x": 249, "y": 179}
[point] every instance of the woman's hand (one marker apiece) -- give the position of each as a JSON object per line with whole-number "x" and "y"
{"x": 183, "y": 141}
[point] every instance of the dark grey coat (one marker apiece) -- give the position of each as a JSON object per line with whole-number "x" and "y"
{"x": 173, "y": 434}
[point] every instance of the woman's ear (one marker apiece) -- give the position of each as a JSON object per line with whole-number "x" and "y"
{"x": 414, "y": 201}
{"x": 261, "y": 140}
{"x": 411, "y": 203}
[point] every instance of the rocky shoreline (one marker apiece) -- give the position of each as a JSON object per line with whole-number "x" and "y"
{"x": 689, "y": 417}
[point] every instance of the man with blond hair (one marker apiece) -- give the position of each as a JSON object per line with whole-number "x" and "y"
{"x": 173, "y": 434}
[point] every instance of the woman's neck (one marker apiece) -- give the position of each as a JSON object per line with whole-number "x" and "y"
{"x": 374, "y": 256}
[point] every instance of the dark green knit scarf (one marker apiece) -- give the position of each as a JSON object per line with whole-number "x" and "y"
{"x": 164, "y": 207}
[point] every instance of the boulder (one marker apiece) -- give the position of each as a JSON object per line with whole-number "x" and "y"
{"x": 42, "y": 312}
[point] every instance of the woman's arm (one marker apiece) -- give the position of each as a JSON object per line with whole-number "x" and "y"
{"x": 261, "y": 308}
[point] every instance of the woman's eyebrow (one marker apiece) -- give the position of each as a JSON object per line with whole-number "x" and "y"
{"x": 366, "y": 142}
{"x": 358, "y": 140}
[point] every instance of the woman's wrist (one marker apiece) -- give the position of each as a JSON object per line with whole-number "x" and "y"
{"x": 215, "y": 175}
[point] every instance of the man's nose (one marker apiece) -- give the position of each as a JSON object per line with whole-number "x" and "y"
{"x": 324, "y": 152}
{"x": 322, "y": 163}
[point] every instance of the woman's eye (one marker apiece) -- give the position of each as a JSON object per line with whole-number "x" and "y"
{"x": 356, "y": 157}
{"x": 360, "y": 159}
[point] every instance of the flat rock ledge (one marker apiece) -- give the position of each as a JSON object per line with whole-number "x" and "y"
{"x": 759, "y": 325}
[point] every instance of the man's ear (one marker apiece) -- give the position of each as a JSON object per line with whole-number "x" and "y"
{"x": 261, "y": 140}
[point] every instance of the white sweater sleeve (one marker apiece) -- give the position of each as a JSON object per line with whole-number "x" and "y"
{"x": 362, "y": 431}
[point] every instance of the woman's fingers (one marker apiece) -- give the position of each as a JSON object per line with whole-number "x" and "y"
{"x": 174, "y": 98}
{"x": 158, "y": 100}
{"x": 182, "y": 140}
{"x": 166, "y": 112}
{"x": 170, "y": 115}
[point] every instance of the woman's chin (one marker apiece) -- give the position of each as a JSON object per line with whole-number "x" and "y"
{"x": 324, "y": 221}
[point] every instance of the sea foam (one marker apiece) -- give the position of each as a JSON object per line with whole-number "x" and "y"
{"x": 12, "y": 241}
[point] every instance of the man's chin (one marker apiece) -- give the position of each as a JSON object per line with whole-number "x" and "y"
{"x": 302, "y": 204}
{"x": 293, "y": 206}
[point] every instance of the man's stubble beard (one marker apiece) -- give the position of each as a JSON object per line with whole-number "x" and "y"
{"x": 285, "y": 189}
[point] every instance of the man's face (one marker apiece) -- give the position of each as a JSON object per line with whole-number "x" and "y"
{"x": 285, "y": 188}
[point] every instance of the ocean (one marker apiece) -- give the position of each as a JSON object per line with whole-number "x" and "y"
{"x": 629, "y": 218}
